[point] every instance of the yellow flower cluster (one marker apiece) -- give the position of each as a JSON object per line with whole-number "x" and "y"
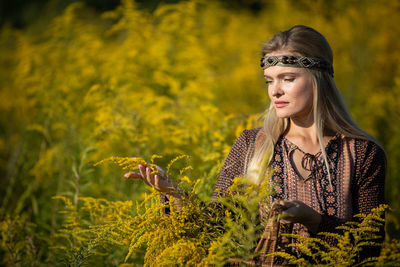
{"x": 127, "y": 163}
{"x": 183, "y": 78}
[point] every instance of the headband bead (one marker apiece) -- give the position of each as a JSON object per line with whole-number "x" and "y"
{"x": 297, "y": 61}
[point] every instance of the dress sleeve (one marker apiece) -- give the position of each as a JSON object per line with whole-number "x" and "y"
{"x": 368, "y": 188}
{"x": 370, "y": 178}
{"x": 235, "y": 162}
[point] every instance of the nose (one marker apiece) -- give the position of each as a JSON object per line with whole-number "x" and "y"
{"x": 275, "y": 89}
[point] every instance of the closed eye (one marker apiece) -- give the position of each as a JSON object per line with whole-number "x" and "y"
{"x": 288, "y": 79}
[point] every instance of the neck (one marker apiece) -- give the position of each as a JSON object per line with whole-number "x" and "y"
{"x": 304, "y": 128}
{"x": 304, "y": 134}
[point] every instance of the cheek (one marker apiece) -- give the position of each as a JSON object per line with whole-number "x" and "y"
{"x": 269, "y": 92}
{"x": 304, "y": 92}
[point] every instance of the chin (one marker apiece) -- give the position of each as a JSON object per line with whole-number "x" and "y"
{"x": 282, "y": 115}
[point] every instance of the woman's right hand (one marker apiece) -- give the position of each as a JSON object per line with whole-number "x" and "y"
{"x": 160, "y": 181}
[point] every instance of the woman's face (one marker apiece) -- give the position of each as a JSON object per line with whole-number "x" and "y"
{"x": 290, "y": 89}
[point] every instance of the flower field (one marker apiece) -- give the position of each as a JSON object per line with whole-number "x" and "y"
{"x": 182, "y": 79}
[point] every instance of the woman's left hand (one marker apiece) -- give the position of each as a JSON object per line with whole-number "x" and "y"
{"x": 296, "y": 211}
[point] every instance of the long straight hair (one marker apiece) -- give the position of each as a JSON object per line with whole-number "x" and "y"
{"x": 329, "y": 111}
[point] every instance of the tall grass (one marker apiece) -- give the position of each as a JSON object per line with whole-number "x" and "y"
{"x": 181, "y": 79}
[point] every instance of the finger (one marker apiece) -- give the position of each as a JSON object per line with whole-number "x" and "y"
{"x": 287, "y": 220}
{"x": 298, "y": 202}
{"x": 135, "y": 175}
{"x": 277, "y": 206}
{"x": 157, "y": 182}
{"x": 281, "y": 205}
{"x": 149, "y": 176}
{"x": 288, "y": 204}
{"x": 142, "y": 170}
{"x": 290, "y": 212}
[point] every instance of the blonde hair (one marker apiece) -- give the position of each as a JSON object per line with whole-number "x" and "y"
{"x": 329, "y": 111}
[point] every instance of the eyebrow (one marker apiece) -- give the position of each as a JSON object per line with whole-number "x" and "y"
{"x": 283, "y": 74}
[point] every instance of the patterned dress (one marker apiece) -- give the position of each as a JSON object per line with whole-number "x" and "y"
{"x": 357, "y": 169}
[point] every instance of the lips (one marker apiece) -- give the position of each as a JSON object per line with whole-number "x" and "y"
{"x": 281, "y": 104}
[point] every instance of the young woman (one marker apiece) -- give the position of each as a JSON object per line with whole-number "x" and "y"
{"x": 326, "y": 169}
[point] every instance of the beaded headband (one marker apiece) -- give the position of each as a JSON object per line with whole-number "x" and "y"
{"x": 296, "y": 61}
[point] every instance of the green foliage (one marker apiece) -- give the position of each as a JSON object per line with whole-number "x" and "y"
{"x": 242, "y": 224}
{"x": 350, "y": 240}
{"x": 180, "y": 79}
{"x": 19, "y": 241}
{"x": 390, "y": 254}
{"x": 212, "y": 233}
{"x": 199, "y": 233}
{"x": 127, "y": 163}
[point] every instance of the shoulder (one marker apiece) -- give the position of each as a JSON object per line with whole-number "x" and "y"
{"x": 244, "y": 144}
{"x": 370, "y": 161}
{"x": 249, "y": 136}
{"x": 368, "y": 150}
{"x": 235, "y": 161}
{"x": 364, "y": 147}
{"x": 251, "y": 133}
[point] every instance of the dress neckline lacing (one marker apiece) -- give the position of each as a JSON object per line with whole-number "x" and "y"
{"x": 319, "y": 153}
{"x": 309, "y": 161}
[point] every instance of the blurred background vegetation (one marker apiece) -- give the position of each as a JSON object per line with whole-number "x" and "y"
{"x": 81, "y": 81}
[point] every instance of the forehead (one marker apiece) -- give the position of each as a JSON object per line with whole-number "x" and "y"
{"x": 275, "y": 71}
